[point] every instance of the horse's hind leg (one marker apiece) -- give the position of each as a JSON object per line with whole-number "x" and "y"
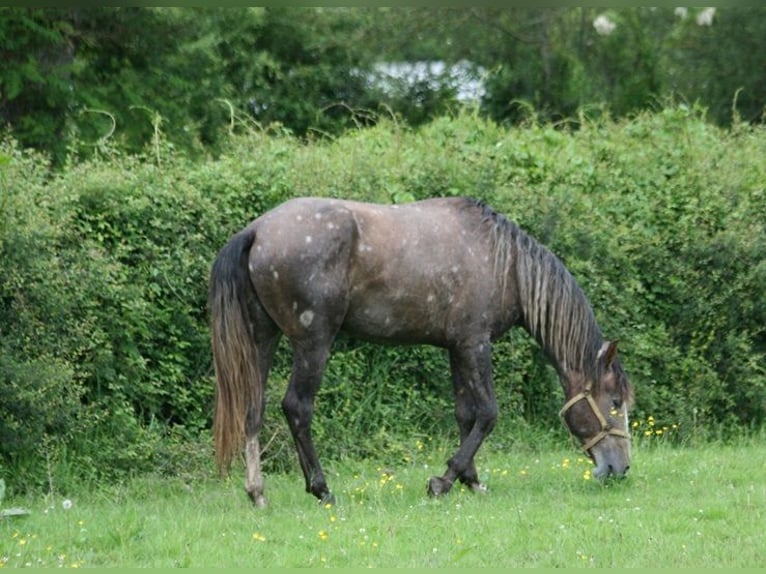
{"x": 254, "y": 476}
{"x": 267, "y": 336}
{"x": 309, "y": 361}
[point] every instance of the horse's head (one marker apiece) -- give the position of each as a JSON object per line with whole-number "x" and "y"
{"x": 596, "y": 412}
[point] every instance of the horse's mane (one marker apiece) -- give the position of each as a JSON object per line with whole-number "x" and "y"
{"x": 554, "y": 308}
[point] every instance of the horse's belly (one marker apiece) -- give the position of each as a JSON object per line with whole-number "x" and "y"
{"x": 396, "y": 318}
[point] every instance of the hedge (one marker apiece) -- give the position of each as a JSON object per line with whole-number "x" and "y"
{"x": 105, "y": 365}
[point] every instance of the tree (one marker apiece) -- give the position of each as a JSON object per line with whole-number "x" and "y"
{"x": 301, "y": 68}
{"x": 73, "y": 78}
{"x": 37, "y": 47}
{"x": 720, "y": 61}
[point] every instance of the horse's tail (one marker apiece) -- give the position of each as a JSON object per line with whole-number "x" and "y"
{"x": 238, "y": 388}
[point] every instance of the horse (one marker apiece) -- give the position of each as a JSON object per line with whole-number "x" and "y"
{"x": 449, "y": 272}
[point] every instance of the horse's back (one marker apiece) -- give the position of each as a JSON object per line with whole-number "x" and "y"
{"x": 403, "y": 273}
{"x": 311, "y": 230}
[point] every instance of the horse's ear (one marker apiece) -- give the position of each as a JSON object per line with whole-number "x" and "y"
{"x": 608, "y": 352}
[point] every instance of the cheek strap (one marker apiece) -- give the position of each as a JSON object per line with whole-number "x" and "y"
{"x": 606, "y": 428}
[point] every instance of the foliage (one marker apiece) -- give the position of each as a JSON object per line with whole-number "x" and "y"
{"x": 729, "y": 92}
{"x": 104, "y": 352}
{"x": 75, "y": 77}
{"x": 34, "y": 89}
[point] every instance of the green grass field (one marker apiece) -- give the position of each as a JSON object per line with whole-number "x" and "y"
{"x": 702, "y": 506}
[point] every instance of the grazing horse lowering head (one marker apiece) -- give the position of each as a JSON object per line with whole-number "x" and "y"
{"x": 597, "y": 391}
{"x": 449, "y": 272}
{"x": 596, "y": 412}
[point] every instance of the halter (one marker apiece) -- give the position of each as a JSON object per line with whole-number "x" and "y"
{"x": 606, "y": 428}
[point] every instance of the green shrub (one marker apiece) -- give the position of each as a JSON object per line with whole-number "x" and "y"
{"x": 104, "y": 353}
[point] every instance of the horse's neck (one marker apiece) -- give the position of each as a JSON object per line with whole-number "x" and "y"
{"x": 558, "y": 317}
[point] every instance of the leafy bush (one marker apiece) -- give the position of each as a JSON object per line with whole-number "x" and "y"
{"x": 104, "y": 355}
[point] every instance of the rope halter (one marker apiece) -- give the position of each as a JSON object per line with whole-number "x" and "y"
{"x": 606, "y": 428}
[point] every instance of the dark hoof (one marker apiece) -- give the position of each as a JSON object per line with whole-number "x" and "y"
{"x": 437, "y": 486}
{"x": 327, "y": 499}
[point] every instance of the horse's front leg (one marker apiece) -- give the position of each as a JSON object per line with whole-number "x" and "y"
{"x": 465, "y": 413}
{"x": 298, "y": 407}
{"x": 475, "y": 410}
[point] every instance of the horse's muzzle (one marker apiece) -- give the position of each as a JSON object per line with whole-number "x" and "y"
{"x": 612, "y": 457}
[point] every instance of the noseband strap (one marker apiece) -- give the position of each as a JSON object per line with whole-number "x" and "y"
{"x": 606, "y": 428}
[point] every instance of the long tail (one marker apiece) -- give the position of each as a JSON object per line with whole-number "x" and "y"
{"x": 238, "y": 388}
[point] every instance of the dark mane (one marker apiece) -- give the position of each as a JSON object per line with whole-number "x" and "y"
{"x": 554, "y": 308}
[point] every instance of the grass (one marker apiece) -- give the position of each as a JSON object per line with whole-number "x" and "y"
{"x": 701, "y": 506}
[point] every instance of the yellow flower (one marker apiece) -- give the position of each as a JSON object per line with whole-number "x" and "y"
{"x": 259, "y": 537}
{"x": 323, "y": 535}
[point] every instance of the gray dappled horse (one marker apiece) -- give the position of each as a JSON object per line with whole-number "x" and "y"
{"x": 448, "y": 272}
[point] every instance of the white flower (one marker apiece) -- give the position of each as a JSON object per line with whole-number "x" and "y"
{"x": 66, "y": 504}
{"x": 705, "y": 18}
{"x": 603, "y": 25}
{"x": 681, "y": 12}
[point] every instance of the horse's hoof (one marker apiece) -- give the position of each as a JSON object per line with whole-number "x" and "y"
{"x": 478, "y": 487}
{"x": 327, "y": 499}
{"x": 258, "y": 500}
{"x": 437, "y": 486}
